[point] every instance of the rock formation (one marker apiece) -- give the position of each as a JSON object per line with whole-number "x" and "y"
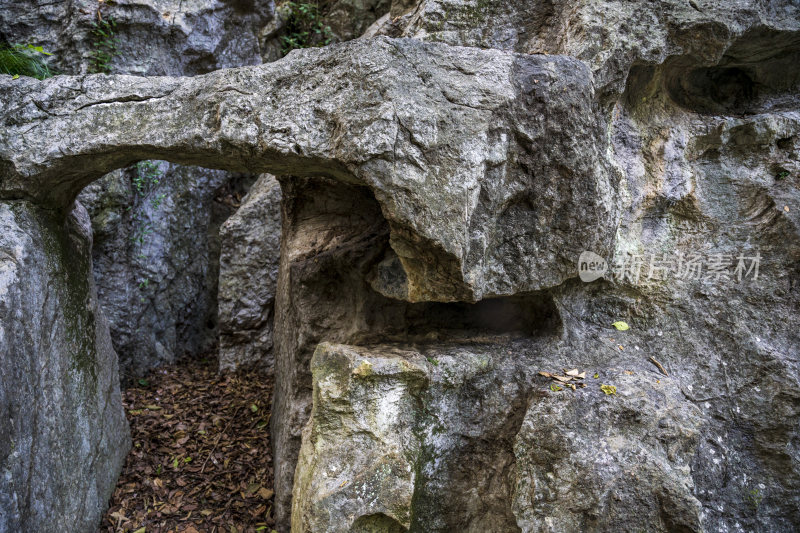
{"x": 156, "y": 246}
{"x": 436, "y": 199}
{"x": 248, "y": 277}
{"x": 63, "y": 433}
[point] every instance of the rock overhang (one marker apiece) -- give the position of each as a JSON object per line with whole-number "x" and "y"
{"x": 490, "y": 167}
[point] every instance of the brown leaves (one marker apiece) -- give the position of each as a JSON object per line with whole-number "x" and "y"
{"x": 572, "y": 379}
{"x": 201, "y": 459}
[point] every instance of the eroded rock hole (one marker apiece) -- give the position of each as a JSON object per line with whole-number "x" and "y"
{"x": 714, "y": 90}
{"x": 759, "y": 72}
{"x": 341, "y": 255}
{"x": 534, "y": 314}
{"x": 342, "y": 282}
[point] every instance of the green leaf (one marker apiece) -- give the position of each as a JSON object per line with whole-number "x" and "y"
{"x": 608, "y": 389}
{"x": 144, "y": 383}
{"x": 555, "y": 388}
{"x": 254, "y": 408}
{"x": 141, "y": 530}
{"x": 175, "y": 463}
{"x": 596, "y": 375}
{"x": 15, "y": 76}
{"x": 621, "y": 326}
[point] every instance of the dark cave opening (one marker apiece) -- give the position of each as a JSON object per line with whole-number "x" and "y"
{"x": 760, "y": 71}
{"x": 528, "y": 315}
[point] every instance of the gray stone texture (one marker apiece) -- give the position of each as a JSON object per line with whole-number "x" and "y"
{"x": 63, "y": 433}
{"x": 248, "y": 277}
{"x": 435, "y": 201}
{"x": 156, "y": 268}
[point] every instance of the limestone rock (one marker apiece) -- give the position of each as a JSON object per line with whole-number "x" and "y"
{"x": 438, "y": 439}
{"x": 611, "y": 36}
{"x": 359, "y": 460}
{"x": 596, "y": 462}
{"x": 155, "y": 38}
{"x": 155, "y": 260}
{"x": 482, "y": 119}
{"x": 248, "y": 277}
{"x": 155, "y": 267}
{"x": 63, "y": 433}
{"x": 436, "y": 199}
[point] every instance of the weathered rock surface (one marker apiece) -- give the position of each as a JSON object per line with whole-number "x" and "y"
{"x": 706, "y": 132}
{"x": 597, "y": 462}
{"x": 358, "y": 473}
{"x": 610, "y": 36}
{"x": 431, "y": 129}
{"x": 438, "y": 439}
{"x": 435, "y": 202}
{"x": 63, "y": 433}
{"x": 156, "y": 262}
{"x": 154, "y": 38}
{"x": 248, "y": 277}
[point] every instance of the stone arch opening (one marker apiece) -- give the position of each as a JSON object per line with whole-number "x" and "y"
{"x": 382, "y": 161}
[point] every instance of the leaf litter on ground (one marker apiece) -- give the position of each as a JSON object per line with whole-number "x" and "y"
{"x": 201, "y": 457}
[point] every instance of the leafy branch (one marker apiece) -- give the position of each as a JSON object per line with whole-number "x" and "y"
{"x": 105, "y": 45}
{"x": 304, "y": 27}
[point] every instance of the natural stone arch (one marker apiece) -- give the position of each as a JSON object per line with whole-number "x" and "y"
{"x": 443, "y": 138}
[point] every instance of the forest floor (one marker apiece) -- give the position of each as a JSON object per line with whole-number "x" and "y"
{"x": 201, "y": 459}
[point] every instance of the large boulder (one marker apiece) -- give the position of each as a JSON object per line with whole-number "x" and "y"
{"x": 432, "y": 137}
{"x": 63, "y": 433}
{"x": 248, "y": 278}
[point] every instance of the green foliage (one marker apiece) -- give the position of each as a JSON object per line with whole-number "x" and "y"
{"x": 105, "y": 46}
{"x": 146, "y": 180}
{"x": 24, "y": 60}
{"x": 304, "y": 27}
{"x": 782, "y": 175}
